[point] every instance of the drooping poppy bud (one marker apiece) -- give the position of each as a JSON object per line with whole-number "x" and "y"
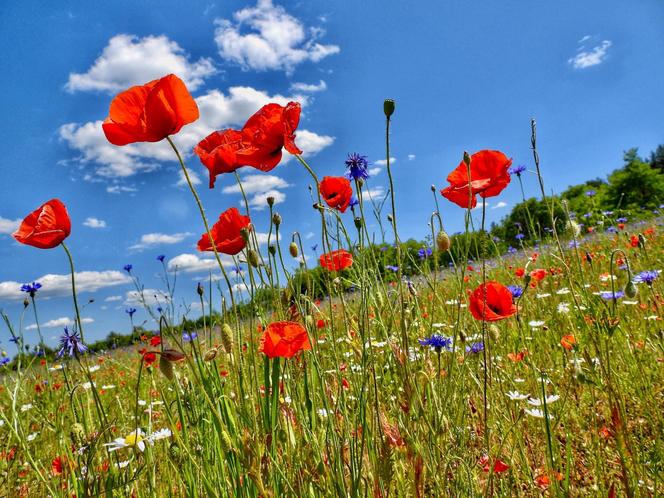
{"x": 443, "y": 241}
{"x": 388, "y": 107}
{"x": 292, "y": 248}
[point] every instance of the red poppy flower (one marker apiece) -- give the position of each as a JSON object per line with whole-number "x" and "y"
{"x": 57, "y": 466}
{"x": 568, "y": 342}
{"x": 284, "y": 339}
{"x": 337, "y": 260}
{"x": 336, "y": 192}
{"x": 150, "y": 112}
{"x": 227, "y": 233}
{"x": 492, "y": 302}
{"x": 488, "y": 177}
{"x": 538, "y": 274}
{"x": 258, "y": 144}
{"x": 46, "y": 227}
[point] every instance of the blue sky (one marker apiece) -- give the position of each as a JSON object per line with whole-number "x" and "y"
{"x": 465, "y": 75}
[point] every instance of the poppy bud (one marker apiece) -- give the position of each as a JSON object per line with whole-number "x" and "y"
{"x": 227, "y": 337}
{"x": 166, "y": 367}
{"x": 433, "y": 188}
{"x": 272, "y": 249}
{"x": 443, "y": 241}
{"x": 173, "y": 355}
{"x": 276, "y": 219}
{"x": 252, "y": 258}
{"x": 210, "y": 354}
{"x": 494, "y": 332}
{"x": 244, "y": 232}
{"x": 466, "y": 158}
{"x": 270, "y": 201}
{"x": 358, "y": 222}
{"x": 388, "y": 107}
{"x": 199, "y": 289}
{"x": 526, "y": 279}
{"x": 292, "y": 248}
{"x": 630, "y": 290}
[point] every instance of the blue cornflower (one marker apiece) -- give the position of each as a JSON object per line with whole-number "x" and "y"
{"x": 609, "y": 295}
{"x": 646, "y": 277}
{"x": 437, "y": 342}
{"x": 127, "y": 268}
{"x": 357, "y": 167}
{"x": 31, "y": 288}
{"x": 424, "y": 253}
{"x": 314, "y": 247}
{"x": 353, "y": 202}
{"x": 392, "y": 267}
{"x": 71, "y": 344}
{"x": 475, "y": 347}
{"x": 161, "y": 258}
{"x": 587, "y": 215}
{"x": 519, "y": 236}
{"x": 511, "y": 250}
{"x": 130, "y": 312}
{"x": 159, "y": 309}
{"x": 622, "y": 220}
{"x": 516, "y": 291}
{"x": 187, "y": 337}
{"x": 238, "y": 269}
{"x": 590, "y": 193}
{"x": 517, "y": 170}
{"x": 4, "y": 360}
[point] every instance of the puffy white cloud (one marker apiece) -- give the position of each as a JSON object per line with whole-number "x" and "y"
{"x": 128, "y": 60}
{"x": 60, "y": 285}
{"x": 500, "y": 204}
{"x": 309, "y": 87}
{"x": 375, "y": 194}
{"x": 190, "y": 263}
{"x": 383, "y": 162}
{"x": 104, "y": 161}
{"x": 411, "y": 157}
{"x": 258, "y": 188}
{"x": 94, "y": 223}
{"x": 193, "y": 177}
{"x": 158, "y": 239}
{"x": 111, "y": 299}
{"x": 8, "y": 226}
{"x": 149, "y": 297}
{"x": 588, "y": 57}
{"x": 267, "y": 37}
{"x": 58, "y": 323}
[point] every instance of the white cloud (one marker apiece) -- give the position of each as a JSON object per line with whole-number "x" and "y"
{"x": 151, "y": 297}
{"x": 500, "y": 204}
{"x": 411, "y": 157}
{"x": 588, "y": 57}
{"x": 376, "y": 194}
{"x": 128, "y": 60}
{"x": 158, "y": 239}
{"x": 193, "y": 176}
{"x": 8, "y": 226}
{"x": 267, "y": 37}
{"x": 58, "y": 323}
{"x": 94, "y": 223}
{"x": 111, "y": 299}
{"x": 60, "y": 285}
{"x": 258, "y": 188}
{"x": 374, "y": 171}
{"x": 190, "y": 263}
{"x": 383, "y": 162}
{"x": 309, "y": 87}
{"x": 118, "y": 189}
{"x": 104, "y": 161}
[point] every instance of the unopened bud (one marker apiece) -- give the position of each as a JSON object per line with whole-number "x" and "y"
{"x": 270, "y": 201}
{"x": 292, "y": 248}
{"x": 227, "y": 337}
{"x": 589, "y": 257}
{"x": 630, "y": 290}
{"x": 358, "y": 222}
{"x": 210, "y": 354}
{"x": 252, "y": 258}
{"x": 494, "y": 332}
{"x": 466, "y": 158}
{"x": 642, "y": 241}
{"x": 389, "y": 218}
{"x": 433, "y": 188}
{"x": 26, "y": 303}
{"x": 173, "y": 355}
{"x": 199, "y": 289}
{"x": 388, "y": 107}
{"x": 443, "y": 241}
{"x": 272, "y": 249}
{"x": 166, "y": 367}
{"x": 276, "y": 219}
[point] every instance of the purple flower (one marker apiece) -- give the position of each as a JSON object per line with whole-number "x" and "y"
{"x": 519, "y": 236}
{"x": 424, "y": 253}
{"x": 353, "y": 202}
{"x": 161, "y": 258}
{"x": 4, "y": 360}
{"x": 392, "y": 267}
{"x": 517, "y": 170}
{"x": 609, "y": 295}
{"x": 475, "y": 347}
{"x": 511, "y": 250}
{"x": 646, "y": 277}
{"x": 187, "y": 336}
{"x": 127, "y": 268}
{"x": 516, "y": 291}
{"x": 130, "y": 312}
{"x": 357, "y": 167}
{"x": 437, "y": 342}
{"x": 71, "y": 344}
{"x": 31, "y": 288}
{"x": 591, "y": 193}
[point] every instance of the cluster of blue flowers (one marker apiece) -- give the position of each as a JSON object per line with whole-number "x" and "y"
{"x": 437, "y": 342}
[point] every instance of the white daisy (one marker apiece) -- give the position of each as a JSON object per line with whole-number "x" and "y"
{"x": 537, "y": 413}
{"x": 549, "y": 399}
{"x": 135, "y": 439}
{"x": 516, "y": 395}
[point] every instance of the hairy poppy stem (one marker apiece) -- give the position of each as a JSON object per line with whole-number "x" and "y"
{"x": 73, "y": 291}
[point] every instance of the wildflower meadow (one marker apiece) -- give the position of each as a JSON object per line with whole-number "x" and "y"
{"x": 524, "y": 358}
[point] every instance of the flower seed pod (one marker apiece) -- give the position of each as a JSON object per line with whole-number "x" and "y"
{"x": 210, "y": 354}
{"x": 292, "y": 248}
{"x": 276, "y": 219}
{"x": 433, "y": 188}
{"x": 272, "y": 249}
{"x": 166, "y": 367}
{"x": 270, "y": 201}
{"x": 227, "y": 337}
{"x": 630, "y": 290}
{"x": 443, "y": 241}
{"x": 252, "y": 258}
{"x": 388, "y": 107}
{"x": 358, "y": 222}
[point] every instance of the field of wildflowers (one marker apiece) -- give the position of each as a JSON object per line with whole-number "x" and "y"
{"x": 536, "y": 372}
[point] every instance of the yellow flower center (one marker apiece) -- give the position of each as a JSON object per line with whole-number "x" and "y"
{"x": 133, "y": 439}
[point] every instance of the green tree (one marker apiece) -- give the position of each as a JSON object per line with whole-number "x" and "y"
{"x": 636, "y": 185}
